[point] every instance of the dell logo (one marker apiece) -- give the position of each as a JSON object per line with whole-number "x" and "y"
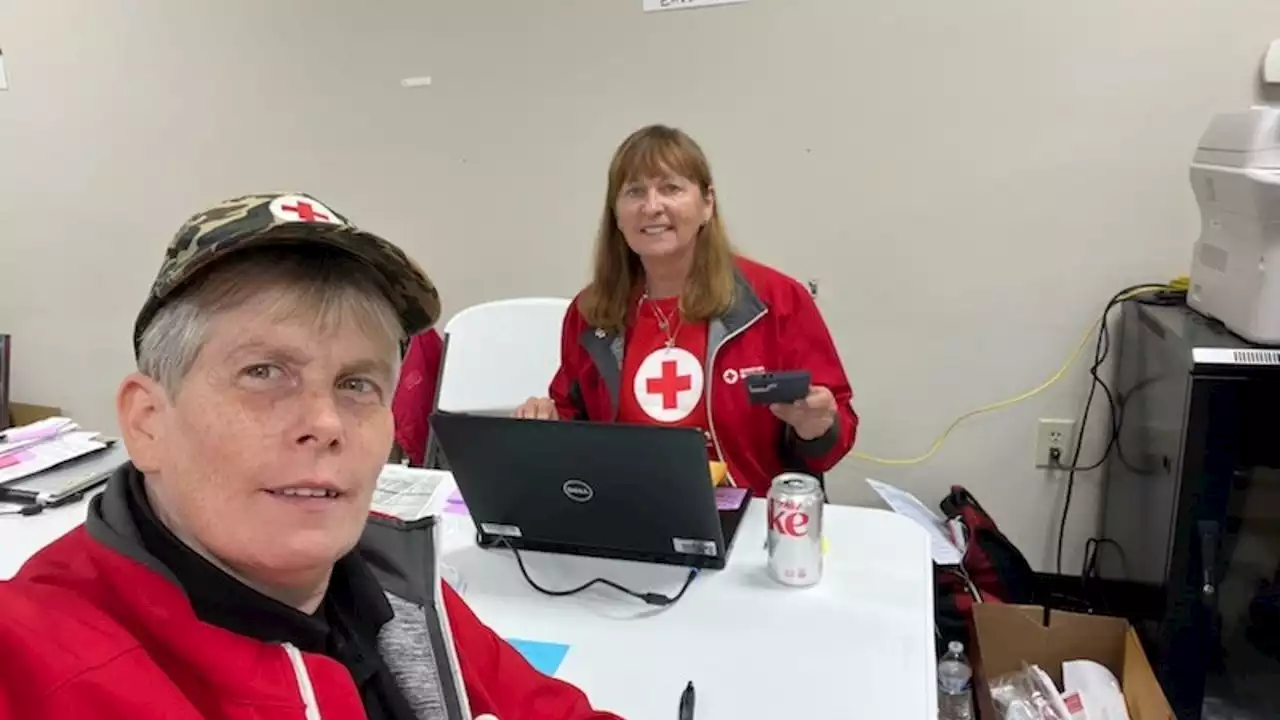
{"x": 578, "y": 491}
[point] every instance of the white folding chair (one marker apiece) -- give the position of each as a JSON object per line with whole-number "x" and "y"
{"x": 497, "y": 355}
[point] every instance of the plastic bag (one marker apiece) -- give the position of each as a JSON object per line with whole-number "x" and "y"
{"x": 1028, "y": 694}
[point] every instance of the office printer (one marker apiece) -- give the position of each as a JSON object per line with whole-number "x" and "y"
{"x": 1235, "y": 271}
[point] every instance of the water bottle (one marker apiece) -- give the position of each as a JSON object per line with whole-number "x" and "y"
{"x": 955, "y": 691}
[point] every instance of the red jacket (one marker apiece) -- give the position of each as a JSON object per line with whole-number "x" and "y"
{"x": 773, "y": 325}
{"x": 416, "y": 393}
{"x": 93, "y": 629}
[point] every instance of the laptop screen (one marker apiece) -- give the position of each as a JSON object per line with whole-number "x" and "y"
{"x": 5, "y": 419}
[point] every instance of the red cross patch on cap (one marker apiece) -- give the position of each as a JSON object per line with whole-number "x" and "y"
{"x": 299, "y": 208}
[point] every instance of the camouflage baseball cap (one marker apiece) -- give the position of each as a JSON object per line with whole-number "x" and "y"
{"x": 271, "y": 219}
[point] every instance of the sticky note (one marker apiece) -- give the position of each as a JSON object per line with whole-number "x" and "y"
{"x": 454, "y": 504}
{"x": 730, "y": 498}
{"x": 15, "y": 458}
{"x": 543, "y": 656}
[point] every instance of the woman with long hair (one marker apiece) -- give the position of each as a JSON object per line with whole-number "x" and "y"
{"x": 674, "y": 321}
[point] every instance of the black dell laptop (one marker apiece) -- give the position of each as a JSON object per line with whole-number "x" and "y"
{"x": 632, "y": 492}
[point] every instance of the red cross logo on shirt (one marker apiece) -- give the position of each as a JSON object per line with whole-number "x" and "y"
{"x": 669, "y": 385}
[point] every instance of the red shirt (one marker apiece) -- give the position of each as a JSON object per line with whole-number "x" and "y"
{"x": 664, "y": 385}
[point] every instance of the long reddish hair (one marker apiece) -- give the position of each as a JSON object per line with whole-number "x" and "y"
{"x": 649, "y": 152}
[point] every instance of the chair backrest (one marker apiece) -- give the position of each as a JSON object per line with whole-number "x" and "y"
{"x": 499, "y": 354}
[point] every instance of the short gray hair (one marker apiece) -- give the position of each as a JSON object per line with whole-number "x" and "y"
{"x": 327, "y": 284}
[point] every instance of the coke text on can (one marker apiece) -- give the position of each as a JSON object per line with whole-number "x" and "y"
{"x": 795, "y": 530}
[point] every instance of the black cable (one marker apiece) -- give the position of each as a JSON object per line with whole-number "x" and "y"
{"x": 1092, "y": 585}
{"x": 1099, "y": 354}
{"x": 1124, "y": 559}
{"x": 1101, "y": 349}
{"x": 648, "y": 598}
{"x": 1090, "y": 566}
{"x": 1088, "y": 563}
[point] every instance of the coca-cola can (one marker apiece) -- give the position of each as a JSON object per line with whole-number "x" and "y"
{"x": 795, "y": 529}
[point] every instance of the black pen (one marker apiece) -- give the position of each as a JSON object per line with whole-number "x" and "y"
{"x": 686, "y": 702}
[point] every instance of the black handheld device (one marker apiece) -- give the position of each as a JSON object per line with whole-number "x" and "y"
{"x": 778, "y": 387}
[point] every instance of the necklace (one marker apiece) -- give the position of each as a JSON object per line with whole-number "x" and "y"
{"x": 664, "y": 321}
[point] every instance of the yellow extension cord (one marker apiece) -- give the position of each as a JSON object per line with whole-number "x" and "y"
{"x": 1178, "y": 284}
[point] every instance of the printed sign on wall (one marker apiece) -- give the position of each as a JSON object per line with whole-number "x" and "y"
{"x": 659, "y": 5}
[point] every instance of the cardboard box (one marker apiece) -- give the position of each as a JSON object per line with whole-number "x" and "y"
{"x": 26, "y": 414}
{"x": 1009, "y": 635}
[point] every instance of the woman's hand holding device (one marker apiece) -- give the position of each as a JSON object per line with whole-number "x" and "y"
{"x": 809, "y": 410}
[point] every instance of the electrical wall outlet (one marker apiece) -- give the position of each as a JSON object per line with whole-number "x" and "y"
{"x": 1054, "y": 435}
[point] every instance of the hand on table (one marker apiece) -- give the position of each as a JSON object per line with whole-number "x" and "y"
{"x": 810, "y": 416}
{"x": 537, "y": 409}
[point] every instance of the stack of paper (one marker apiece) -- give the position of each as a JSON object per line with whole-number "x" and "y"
{"x": 29, "y": 449}
{"x": 411, "y": 493}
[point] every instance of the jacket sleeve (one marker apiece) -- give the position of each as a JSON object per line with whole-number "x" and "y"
{"x": 106, "y": 693}
{"x": 416, "y": 393}
{"x": 565, "y": 390}
{"x": 56, "y": 663}
{"x": 807, "y": 345}
{"x": 501, "y": 682}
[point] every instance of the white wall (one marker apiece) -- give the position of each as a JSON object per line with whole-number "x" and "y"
{"x": 969, "y": 181}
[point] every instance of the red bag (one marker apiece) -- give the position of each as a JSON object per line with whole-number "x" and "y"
{"x": 992, "y": 570}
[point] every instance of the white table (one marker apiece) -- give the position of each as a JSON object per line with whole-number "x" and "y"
{"x": 21, "y": 537}
{"x": 859, "y": 644}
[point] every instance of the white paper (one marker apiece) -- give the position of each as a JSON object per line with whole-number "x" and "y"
{"x": 907, "y": 505}
{"x": 1271, "y": 64}
{"x": 42, "y": 456}
{"x": 659, "y": 5}
{"x": 1097, "y": 686}
{"x": 9, "y": 448}
{"x": 411, "y": 493}
{"x": 16, "y": 438}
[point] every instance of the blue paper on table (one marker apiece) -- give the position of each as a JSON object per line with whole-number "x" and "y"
{"x": 730, "y": 498}
{"x": 545, "y": 657}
